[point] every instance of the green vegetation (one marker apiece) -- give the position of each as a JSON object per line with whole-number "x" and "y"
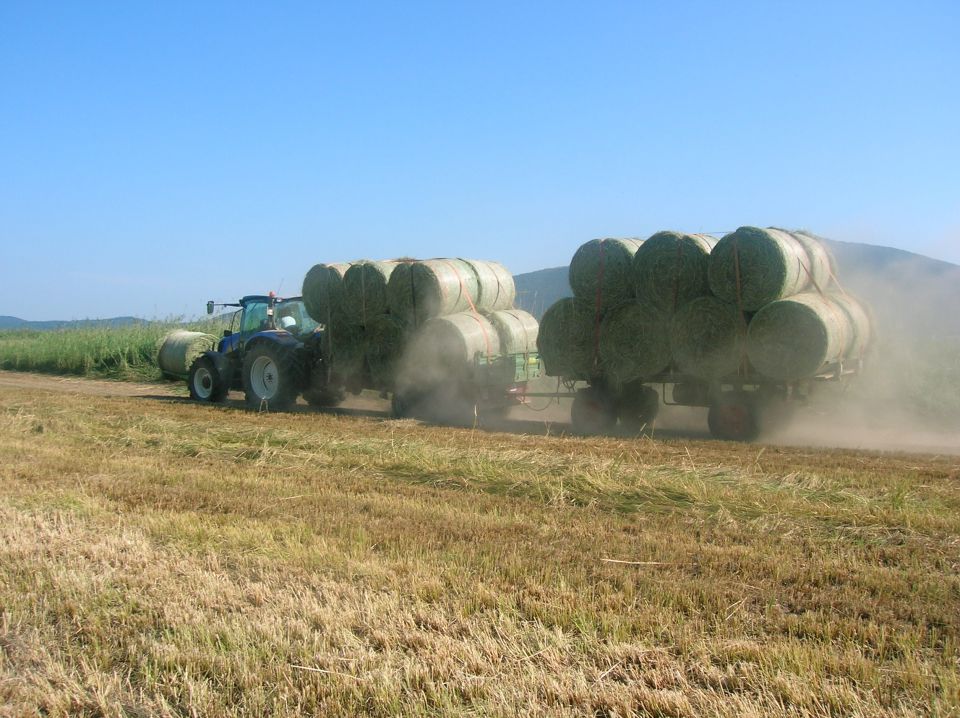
{"x": 170, "y": 559}
{"x": 124, "y": 352}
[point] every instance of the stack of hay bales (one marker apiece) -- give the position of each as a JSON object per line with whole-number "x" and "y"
{"x": 423, "y": 319}
{"x": 758, "y": 301}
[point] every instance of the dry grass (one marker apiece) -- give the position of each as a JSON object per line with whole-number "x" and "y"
{"x": 162, "y": 558}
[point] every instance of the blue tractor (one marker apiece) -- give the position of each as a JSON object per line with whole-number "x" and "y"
{"x": 272, "y": 352}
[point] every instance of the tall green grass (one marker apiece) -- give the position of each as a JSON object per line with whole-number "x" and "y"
{"x": 124, "y": 352}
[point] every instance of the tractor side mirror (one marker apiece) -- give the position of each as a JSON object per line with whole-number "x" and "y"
{"x": 210, "y": 307}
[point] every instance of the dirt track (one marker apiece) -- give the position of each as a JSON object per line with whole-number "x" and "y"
{"x": 838, "y": 430}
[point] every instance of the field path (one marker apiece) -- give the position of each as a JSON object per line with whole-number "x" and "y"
{"x": 79, "y": 385}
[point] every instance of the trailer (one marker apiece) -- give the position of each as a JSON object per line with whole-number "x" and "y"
{"x": 739, "y": 407}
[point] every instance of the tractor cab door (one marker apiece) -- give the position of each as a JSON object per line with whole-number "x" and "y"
{"x": 257, "y": 316}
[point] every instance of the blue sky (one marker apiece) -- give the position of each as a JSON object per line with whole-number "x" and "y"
{"x": 154, "y": 155}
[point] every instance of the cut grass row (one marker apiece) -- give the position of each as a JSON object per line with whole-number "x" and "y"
{"x": 114, "y": 352}
{"x": 165, "y": 558}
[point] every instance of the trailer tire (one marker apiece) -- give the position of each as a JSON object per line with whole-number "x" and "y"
{"x": 593, "y": 411}
{"x": 637, "y": 408}
{"x": 205, "y": 381}
{"x": 271, "y": 378}
{"x": 733, "y": 417}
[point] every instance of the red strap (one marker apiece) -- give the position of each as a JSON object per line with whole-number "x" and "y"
{"x": 465, "y": 292}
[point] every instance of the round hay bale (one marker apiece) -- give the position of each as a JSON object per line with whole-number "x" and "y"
{"x": 707, "y": 338}
{"x": 180, "y": 348}
{"x": 601, "y": 271}
{"x": 516, "y": 329}
{"x": 344, "y": 348}
{"x": 670, "y": 269}
{"x": 795, "y": 338}
{"x": 822, "y": 266}
{"x": 753, "y": 267}
{"x": 569, "y": 339}
{"x": 634, "y": 342}
{"x": 418, "y": 291}
{"x": 323, "y": 292}
{"x": 385, "y": 337}
{"x": 365, "y": 290}
{"x": 861, "y": 331}
{"x": 495, "y": 287}
{"x": 445, "y": 349}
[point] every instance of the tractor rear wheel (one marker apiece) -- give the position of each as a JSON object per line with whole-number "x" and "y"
{"x": 271, "y": 378}
{"x": 205, "y": 383}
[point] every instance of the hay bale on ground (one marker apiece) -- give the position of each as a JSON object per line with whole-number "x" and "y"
{"x": 418, "y": 291}
{"x": 753, "y": 267}
{"x": 634, "y": 342}
{"x": 179, "y": 349}
{"x": 601, "y": 271}
{"x": 323, "y": 292}
{"x": 707, "y": 338}
{"x": 516, "y": 329}
{"x": 365, "y": 290}
{"x": 569, "y": 339}
{"x": 385, "y": 338}
{"x": 670, "y": 269}
{"x": 795, "y": 338}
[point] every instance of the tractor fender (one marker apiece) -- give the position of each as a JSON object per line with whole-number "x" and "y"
{"x": 275, "y": 337}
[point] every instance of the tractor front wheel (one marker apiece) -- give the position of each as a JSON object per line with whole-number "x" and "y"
{"x": 205, "y": 383}
{"x": 271, "y": 380}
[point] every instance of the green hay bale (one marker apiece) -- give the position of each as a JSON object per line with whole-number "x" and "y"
{"x": 344, "y": 346}
{"x": 445, "y": 349}
{"x": 601, "y": 271}
{"x": 516, "y": 329}
{"x": 821, "y": 269}
{"x": 419, "y": 291}
{"x": 707, "y": 338}
{"x": 753, "y": 267}
{"x": 634, "y": 342}
{"x": 385, "y": 337}
{"x": 670, "y": 269}
{"x": 365, "y": 290}
{"x": 861, "y": 330}
{"x": 323, "y": 292}
{"x": 569, "y": 339}
{"x": 797, "y": 337}
{"x": 495, "y": 287}
{"x": 180, "y": 348}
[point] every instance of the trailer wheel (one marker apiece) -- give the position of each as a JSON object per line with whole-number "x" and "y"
{"x": 401, "y": 405}
{"x": 638, "y": 407}
{"x": 733, "y": 417}
{"x": 593, "y": 411}
{"x": 271, "y": 379}
{"x": 205, "y": 383}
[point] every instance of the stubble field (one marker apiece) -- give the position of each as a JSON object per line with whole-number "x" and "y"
{"x": 164, "y": 558}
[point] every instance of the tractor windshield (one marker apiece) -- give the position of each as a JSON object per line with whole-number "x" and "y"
{"x": 292, "y": 316}
{"x": 255, "y": 318}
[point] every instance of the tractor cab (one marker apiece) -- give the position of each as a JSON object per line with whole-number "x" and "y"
{"x": 265, "y": 313}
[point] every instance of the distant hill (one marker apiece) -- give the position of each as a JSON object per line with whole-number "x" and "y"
{"x": 7, "y": 322}
{"x": 910, "y": 295}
